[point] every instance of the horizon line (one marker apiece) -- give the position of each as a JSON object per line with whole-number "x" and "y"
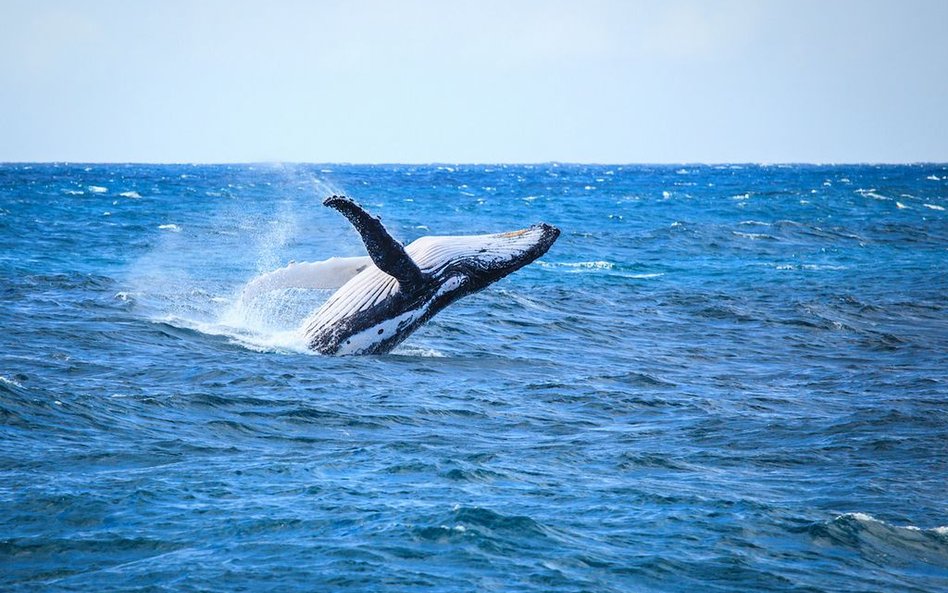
{"x": 486, "y": 163}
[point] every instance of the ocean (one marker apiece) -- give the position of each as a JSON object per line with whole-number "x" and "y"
{"x": 725, "y": 378}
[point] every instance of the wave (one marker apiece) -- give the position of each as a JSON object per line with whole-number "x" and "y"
{"x": 598, "y": 266}
{"x": 872, "y": 536}
{"x": 481, "y": 523}
{"x": 871, "y": 193}
{"x": 9, "y": 381}
{"x": 754, "y": 236}
{"x": 581, "y": 265}
{"x": 812, "y": 267}
{"x": 415, "y": 351}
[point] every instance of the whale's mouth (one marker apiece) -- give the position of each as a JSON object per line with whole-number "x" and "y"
{"x": 483, "y": 258}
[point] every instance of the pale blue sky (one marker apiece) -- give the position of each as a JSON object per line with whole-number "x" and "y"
{"x": 486, "y": 81}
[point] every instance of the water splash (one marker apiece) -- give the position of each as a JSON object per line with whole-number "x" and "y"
{"x": 195, "y": 277}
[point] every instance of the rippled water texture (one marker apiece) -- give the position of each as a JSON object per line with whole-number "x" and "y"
{"x": 719, "y": 378}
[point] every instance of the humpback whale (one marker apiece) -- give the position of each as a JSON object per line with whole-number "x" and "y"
{"x": 394, "y": 291}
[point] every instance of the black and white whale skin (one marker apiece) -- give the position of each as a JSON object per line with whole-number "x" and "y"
{"x": 403, "y": 287}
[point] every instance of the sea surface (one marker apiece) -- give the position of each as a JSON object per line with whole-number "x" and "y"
{"x": 720, "y": 378}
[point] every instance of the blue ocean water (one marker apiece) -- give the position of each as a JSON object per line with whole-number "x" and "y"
{"x": 730, "y": 378}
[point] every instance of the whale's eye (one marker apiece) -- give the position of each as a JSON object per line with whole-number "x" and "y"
{"x": 381, "y": 330}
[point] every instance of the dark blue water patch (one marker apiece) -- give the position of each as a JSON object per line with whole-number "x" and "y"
{"x": 721, "y": 377}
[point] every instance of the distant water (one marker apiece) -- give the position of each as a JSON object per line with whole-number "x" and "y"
{"x": 726, "y": 378}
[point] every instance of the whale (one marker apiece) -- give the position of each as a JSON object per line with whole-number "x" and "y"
{"x": 383, "y": 298}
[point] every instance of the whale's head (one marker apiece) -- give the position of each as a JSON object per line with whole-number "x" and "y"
{"x": 476, "y": 261}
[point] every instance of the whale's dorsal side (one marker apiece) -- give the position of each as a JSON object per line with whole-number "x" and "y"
{"x": 386, "y": 252}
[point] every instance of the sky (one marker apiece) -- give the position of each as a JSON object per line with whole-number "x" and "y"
{"x": 486, "y": 81}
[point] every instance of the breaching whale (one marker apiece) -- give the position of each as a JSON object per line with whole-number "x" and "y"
{"x": 394, "y": 291}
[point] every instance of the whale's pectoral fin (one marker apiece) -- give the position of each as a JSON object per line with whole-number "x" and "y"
{"x": 386, "y": 252}
{"x": 328, "y": 274}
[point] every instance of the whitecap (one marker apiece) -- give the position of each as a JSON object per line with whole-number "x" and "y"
{"x": 591, "y": 265}
{"x": 130, "y": 194}
{"x": 73, "y": 192}
{"x": 403, "y": 350}
{"x": 754, "y": 236}
{"x": 170, "y": 227}
{"x": 933, "y": 178}
{"x": 867, "y": 519}
{"x": 812, "y": 267}
{"x": 871, "y": 193}
{"x": 580, "y": 265}
{"x": 934, "y": 206}
{"x": 10, "y": 381}
{"x": 97, "y": 189}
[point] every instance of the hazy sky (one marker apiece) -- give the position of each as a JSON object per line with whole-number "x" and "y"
{"x": 483, "y": 81}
